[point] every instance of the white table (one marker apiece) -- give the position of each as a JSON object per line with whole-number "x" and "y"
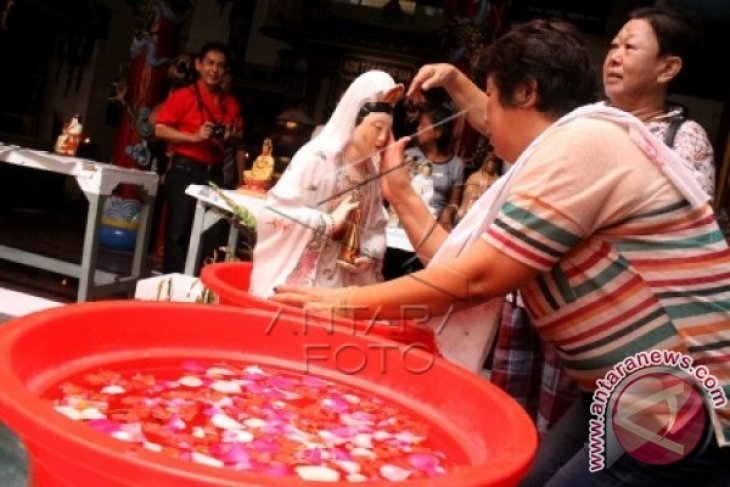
{"x": 97, "y": 181}
{"x": 210, "y": 208}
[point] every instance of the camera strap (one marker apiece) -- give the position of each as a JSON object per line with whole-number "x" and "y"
{"x": 204, "y": 109}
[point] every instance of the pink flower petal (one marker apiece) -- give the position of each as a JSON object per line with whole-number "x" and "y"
{"x": 394, "y": 473}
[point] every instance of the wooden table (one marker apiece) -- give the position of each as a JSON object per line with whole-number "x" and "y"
{"x": 97, "y": 181}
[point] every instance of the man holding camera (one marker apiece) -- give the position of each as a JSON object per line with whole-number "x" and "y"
{"x": 198, "y": 122}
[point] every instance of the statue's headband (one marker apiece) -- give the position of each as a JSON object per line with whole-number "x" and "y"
{"x": 372, "y": 107}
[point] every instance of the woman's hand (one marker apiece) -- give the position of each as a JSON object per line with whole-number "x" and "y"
{"x": 430, "y": 76}
{"x": 319, "y": 300}
{"x": 395, "y": 177}
{"x": 447, "y": 219}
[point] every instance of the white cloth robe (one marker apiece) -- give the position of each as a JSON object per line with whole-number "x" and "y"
{"x": 294, "y": 229}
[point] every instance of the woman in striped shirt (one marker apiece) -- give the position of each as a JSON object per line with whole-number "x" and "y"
{"x": 614, "y": 249}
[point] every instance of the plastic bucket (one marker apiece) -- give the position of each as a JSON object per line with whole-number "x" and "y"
{"x": 485, "y": 430}
{"x": 230, "y": 282}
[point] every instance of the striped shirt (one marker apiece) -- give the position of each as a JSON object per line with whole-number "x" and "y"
{"x": 626, "y": 265}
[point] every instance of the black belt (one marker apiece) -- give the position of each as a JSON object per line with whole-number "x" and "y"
{"x": 194, "y": 165}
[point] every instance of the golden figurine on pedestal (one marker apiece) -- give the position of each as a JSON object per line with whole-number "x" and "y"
{"x": 261, "y": 174}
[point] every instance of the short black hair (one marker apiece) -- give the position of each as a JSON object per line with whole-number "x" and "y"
{"x": 552, "y": 54}
{"x": 214, "y": 46}
{"x": 678, "y": 32}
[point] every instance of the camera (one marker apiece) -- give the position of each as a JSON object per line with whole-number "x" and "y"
{"x": 217, "y": 131}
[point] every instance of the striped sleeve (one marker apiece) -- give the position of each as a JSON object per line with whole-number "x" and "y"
{"x": 532, "y": 232}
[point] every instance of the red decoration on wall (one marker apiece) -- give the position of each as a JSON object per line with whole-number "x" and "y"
{"x": 154, "y": 45}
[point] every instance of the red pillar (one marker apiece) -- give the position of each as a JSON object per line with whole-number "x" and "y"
{"x": 153, "y": 46}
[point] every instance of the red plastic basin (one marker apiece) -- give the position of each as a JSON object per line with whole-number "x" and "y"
{"x": 482, "y": 428}
{"x": 230, "y": 282}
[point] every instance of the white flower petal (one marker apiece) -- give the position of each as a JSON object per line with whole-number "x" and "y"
{"x": 226, "y": 387}
{"x": 394, "y": 473}
{"x": 255, "y": 423}
{"x": 113, "y": 389}
{"x": 348, "y": 466}
{"x": 190, "y": 381}
{"x": 213, "y": 371}
{"x": 92, "y": 413}
{"x": 223, "y": 421}
{"x": 206, "y": 460}
{"x": 317, "y": 473}
{"x": 152, "y": 446}
{"x": 363, "y": 440}
{"x": 355, "y": 477}
{"x": 69, "y": 412}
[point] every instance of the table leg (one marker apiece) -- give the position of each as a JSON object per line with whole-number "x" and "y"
{"x": 91, "y": 246}
{"x": 195, "y": 233}
{"x": 143, "y": 235}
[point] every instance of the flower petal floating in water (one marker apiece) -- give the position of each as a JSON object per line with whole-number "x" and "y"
{"x": 113, "y": 389}
{"x": 190, "y": 381}
{"x": 218, "y": 371}
{"x": 226, "y": 387}
{"x": 69, "y": 412}
{"x": 348, "y": 466}
{"x": 317, "y": 473}
{"x": 152, "y": 446}
{"x": 223, "y": 421}
{"x": 236, "y": 436}
{"x": 92, "y": 413}
{"x": 248, "y": 418}
{"x": 105, "y": 426}
{"x": 255, "y": 423}
{"x": 204, "y": 459}
{"x": 394, "y": 473}
{"x": 429, "y": 464}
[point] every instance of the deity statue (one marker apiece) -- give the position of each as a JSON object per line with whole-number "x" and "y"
{"x": 261, "y": 174}
{"x": 68, "y": 142}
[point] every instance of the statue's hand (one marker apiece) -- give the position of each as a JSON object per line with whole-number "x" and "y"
{"x": 360, "y": 265}
{"x": 340, "y": 214}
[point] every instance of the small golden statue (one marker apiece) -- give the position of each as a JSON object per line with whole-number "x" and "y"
{"x": 261, "y": 174}
{"x": 67, "y": 144}
{"x": 350, "y": 250}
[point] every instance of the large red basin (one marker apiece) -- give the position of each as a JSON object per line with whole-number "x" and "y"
{"x": 230, "y": 282}
{"x": 482, "y": 427}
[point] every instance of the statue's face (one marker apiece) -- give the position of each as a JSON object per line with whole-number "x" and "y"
{"x": 372, "y": 134}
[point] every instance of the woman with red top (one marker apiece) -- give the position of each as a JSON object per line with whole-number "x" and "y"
{"x": 198, "y": 122}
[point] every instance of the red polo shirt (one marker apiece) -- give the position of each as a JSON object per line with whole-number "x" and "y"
{"x": 185, "y": 111}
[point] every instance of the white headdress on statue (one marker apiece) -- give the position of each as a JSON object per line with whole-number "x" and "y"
{"x": 369, "y": 87}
